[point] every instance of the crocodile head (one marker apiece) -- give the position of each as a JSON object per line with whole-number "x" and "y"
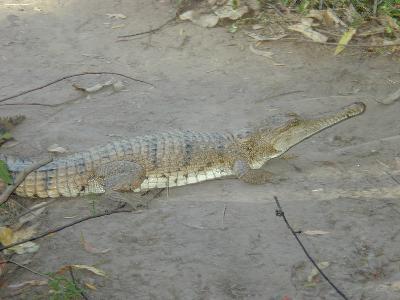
{"x": 268, "y": 144}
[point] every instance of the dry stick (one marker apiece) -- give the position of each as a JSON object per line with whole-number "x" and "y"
{"x": 280, "y": 213}
{"x": 336, "y": 44}
{"x": 26, "y": 268}
{"x": 70, "y": 76}
{"x": 148, "y": 31}
{"x": 21, "y": 177}
{"x": 57, "y": 229}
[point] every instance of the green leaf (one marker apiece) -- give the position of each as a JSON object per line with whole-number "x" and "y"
{"x": 4, "y": 173}
{"x": 6, "y": 136}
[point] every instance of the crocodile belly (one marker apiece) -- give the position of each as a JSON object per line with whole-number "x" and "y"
{"x": 172, "y": 179}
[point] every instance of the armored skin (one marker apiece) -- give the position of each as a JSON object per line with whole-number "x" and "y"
{"x": 170, "y": 159}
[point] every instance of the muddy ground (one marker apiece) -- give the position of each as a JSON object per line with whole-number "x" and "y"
{"x": 219, "y": 239}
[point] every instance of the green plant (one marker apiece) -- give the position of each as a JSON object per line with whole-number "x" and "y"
{"x": 62, "y": 288}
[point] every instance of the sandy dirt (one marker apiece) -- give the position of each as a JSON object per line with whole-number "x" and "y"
{"x": 219, "y": 239}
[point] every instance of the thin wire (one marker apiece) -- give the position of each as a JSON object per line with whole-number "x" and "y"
{"x": 279, "y": 212}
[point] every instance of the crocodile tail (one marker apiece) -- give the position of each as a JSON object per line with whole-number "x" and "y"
{"x": 15, "y": 164}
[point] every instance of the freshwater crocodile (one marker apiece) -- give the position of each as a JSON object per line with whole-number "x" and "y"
{"x": 170, "y": 159}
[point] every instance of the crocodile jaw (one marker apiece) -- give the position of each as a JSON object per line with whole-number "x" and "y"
{"x": 297, "y": 130}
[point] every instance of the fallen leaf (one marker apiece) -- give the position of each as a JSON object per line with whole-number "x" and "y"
{"x": 89, "y": 247}
{"x": 118, "y": 86}
{"x": 331, "y": 18}
{"x": 309, "y": 32}
{"x": 116, "y": 16}
{"x": 97, "y": 87}
{"x": 90, "y": 286}
{"x": 395, "y": 285}
{"x": 27, "y": 283}
{"x": 82, "y": 267}
{"x": 28, "y": 247}
{"x": 4, "y": 173}
{"x": 345, "y": 39}
{"x": 209, "y": 20}
{"x": 267, "y": 54}
{"x": 118, "y": 26}
{"x": 314, "y": 272}
{"x": 6, "y": 236}
{"x": 257, "y": 27}
{"x": 230, "y": 12}
{"x": 315, "y": 232}
{"x": 3, "y": 265}
{"x": 56, "y": 149}
{"x": 262, "y": 38}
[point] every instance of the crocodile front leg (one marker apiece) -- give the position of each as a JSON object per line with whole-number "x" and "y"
{"x": 120, "y": 177}
{"x": 254, "y": 176}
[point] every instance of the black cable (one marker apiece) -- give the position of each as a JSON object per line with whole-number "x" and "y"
{"x": 279, "y": 212}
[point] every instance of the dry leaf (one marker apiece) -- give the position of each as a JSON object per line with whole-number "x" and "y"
{"x": 257, "y": 27}
{"x": 116, "y": 16}
{"x": 27, "y": 283}
{"x": 228, "y": 12}
{"x": 395, "y": 285}
{"x": 28, "y": 247}
{"x": 56, "y": 149}
{"x": 209, "y": 20}
{"x": 90, "y": 286}
{"x": 345, "y": 39}
{"x": 82, "y": 267}
{"x": 314, "y": 272}
{"x": 331, "y": 18}
{"x": 117, "y": 26}
{"x": 8, "y": 237}
{"x": 117, "y": 86}
{"x": 3, "y": 265}
{"x": 315, "y": 232}
{"x": 307, "y": 21}
{"x": 309, "y": 32}
{"x": 267, "y": 54}
{"x": 262, "y": 38}
{"x": 89, "y": 247}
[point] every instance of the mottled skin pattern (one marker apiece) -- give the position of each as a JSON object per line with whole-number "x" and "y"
{"x": 170, "y": 159}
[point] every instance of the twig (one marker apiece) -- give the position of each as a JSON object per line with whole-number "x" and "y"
{"x": 57, "y": 229}
{"x": 148, "y": 31}
{"x": 24, "y": 267}
{"x": 21, "y": 177}
{"x": 70, "y": 76}
{"x": 279, "y": 212}
{"x": 336, "y": 44}
{"x": 76, "y": 284}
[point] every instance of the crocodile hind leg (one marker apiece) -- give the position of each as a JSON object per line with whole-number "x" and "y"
{"x": 254, "y": 176}
{"x": 120, "y": 177}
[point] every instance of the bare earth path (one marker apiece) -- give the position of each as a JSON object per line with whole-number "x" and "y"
{"x": 205, "y": 79}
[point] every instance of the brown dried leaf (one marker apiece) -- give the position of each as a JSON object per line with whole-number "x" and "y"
{"x": 309, "y": 32}
{"x": 28, "y": 283}
{"x": 82, "y": 267}
{"x": 315, "y": 232}
{"x": 89, "y": 247}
